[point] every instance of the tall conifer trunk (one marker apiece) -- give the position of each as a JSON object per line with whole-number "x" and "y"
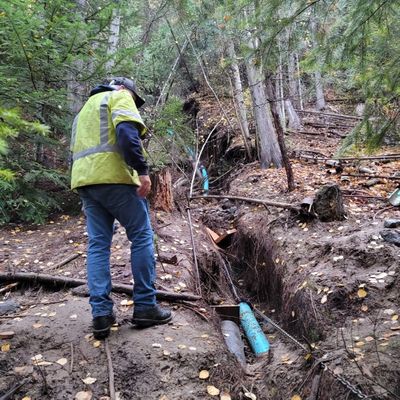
{"x": 269, "y": 147}
{"x": 239, "y": 99}
{"x": 113, "y": 39}
{"x": 76, "y": 91}
{"x": 319, "y": 89}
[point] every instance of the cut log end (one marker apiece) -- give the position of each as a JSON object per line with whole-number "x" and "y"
{"x": 328, "y": 204}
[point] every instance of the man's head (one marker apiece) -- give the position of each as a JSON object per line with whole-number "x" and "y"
{"x": 126, "y": 83}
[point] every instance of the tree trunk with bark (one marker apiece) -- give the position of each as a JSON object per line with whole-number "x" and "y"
{"x": 293, "y": 89}
{"x": 239, "y": 99}
{"x": 113, "y": 39}
{"x": 280, "y": 134}
{"x": 319, "y": 88}
{"x": 76, "y": 91}
{"x": 270, "y": 153}
{"x": 161, "y": 197}
{"x": 294, "y": 119}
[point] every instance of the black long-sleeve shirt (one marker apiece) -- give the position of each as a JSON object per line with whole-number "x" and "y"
{"x": 129, "y": 142}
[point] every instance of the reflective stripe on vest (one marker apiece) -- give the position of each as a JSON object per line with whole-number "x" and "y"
{"x": 102, "y": 148}
{"x": 125, "y": 113}
{"x": 104, "y": 119}
{"x": 73, "y": 136}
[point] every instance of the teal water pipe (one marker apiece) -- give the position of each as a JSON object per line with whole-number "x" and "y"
{"x": 258, "y": 341}
{"x": 205, "y": 178}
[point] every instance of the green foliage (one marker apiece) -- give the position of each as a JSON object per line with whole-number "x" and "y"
{"x": 26, "y": 186}
{"x": 174, "y": 139}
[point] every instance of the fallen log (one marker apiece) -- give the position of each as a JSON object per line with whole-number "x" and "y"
{"x": 390, "y": 157}
{"x": 328, "y": 133}
{"x": 317, "y": 153}
{"x": 360, "y": 196}
{"x": 374, "y": 176}
{"x": 54, "y": 280}
{"x": 343, "y": 116}
{"x": 251, "y": 200}
{"x": 327, "y": 126}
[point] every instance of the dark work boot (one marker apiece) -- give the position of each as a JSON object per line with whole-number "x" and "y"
{"x": 102, "y": 325}
{"x": 154, "y": 315}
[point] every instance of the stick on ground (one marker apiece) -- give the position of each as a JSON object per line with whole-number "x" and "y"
{"x": 110, "y": 370}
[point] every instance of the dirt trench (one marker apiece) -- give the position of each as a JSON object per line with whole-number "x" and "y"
{"x": 309, "y": 277}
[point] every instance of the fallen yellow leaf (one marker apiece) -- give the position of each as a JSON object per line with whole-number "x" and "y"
{"x": 362, "y": 293}
{"x": 212, "y": 390}
{"x": 126, "y": 302}
{"x": 96, "y": 343}
{"x": 89, "y": 380}
{"x": 225, "y": 396}
{"x": 83, "y": 396}
{"x": 204, "y": 374}
{"x": 5, "y": 347}
{"x": 296, "y": 397}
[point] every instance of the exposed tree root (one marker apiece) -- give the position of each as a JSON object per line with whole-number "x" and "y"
{"x": 73, "y": 282}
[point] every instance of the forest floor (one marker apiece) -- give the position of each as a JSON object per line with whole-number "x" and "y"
{"x": 333, "y": 286}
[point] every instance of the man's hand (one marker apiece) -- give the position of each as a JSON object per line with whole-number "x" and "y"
{"x": 145, "y": 186}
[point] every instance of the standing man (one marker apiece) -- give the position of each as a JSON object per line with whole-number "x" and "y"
{"x": 111, "y": 177}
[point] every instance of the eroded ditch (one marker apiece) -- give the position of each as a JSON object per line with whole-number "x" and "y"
{"x": 308, "y": 284}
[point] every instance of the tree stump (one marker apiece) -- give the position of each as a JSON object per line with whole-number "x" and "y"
{"x": 161, "y": 197}
{"x": 328, "y": 203}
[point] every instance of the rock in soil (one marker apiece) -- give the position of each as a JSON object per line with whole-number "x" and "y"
{"x": 392, "y": 223}
{"x": 8, "y": 306}
{"x": 391, "y": 236}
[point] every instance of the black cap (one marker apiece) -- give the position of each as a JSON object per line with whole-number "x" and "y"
{"x": 129, "y": 84}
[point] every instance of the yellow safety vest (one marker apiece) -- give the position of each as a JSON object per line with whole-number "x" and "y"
{"x": 96, "y": 157}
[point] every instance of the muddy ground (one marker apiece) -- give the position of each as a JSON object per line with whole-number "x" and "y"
{"x": 332, "y": 286}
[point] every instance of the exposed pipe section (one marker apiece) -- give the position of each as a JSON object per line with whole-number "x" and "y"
{"x": 255, "y": 335}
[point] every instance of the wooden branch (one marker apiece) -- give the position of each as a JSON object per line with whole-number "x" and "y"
{"x": 251, "y": 200}
{"x": 8, "y": 287}
{"x": 73, "y": 282}
{"x": 64, "y": 262}
{"x": 343, "y": 116}
{"x": 110, "y": 371}
{"x": 71, "y": 365}
{"x": 10, "y": 394}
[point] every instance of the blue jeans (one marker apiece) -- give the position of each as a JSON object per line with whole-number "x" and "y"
{"x": 103, "y": 204}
